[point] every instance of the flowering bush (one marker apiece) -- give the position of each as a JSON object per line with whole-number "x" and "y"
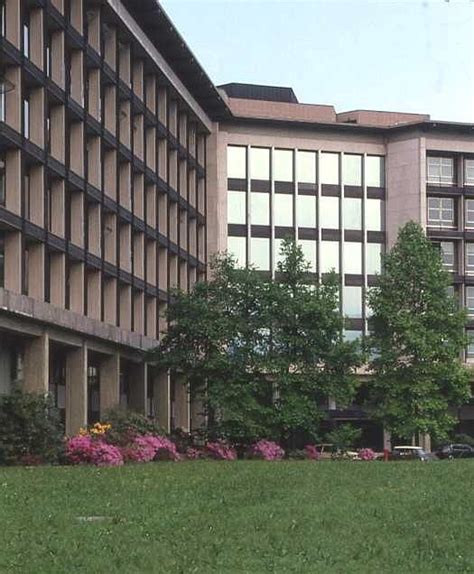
{"x": 99, "y": 429}
{"x": 312, "y": 452}
{"x": 366, "y": 454}
{"x": 165, "y": 449}
{"x": 84, "y": 449}
{"x": 193, "y": 453}
{"x": 220, "y": 450}
{"x": 267, "y": 450}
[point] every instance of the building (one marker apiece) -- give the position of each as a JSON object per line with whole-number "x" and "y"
{"x": 122, "y": 168}
{"x": 103, "y": 169}
{"x": 341, "y": 184}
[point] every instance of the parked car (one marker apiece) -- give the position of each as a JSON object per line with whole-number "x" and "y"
{"x": 455, "y": 451}
{"x": 405, "y": 452}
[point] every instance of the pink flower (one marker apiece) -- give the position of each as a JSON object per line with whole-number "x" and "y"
{"x": 220, "y": 450}
{"x": 193, "y": 453}
{"x": 312, "y": 452}
{"x": 149, "y": 447}
{"x": 366, "y": 454}
{"x": 86, "y": 450}
{"x": 267, "y": 450}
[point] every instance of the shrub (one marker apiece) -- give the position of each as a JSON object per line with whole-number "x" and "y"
{"x": 464, "y": 439}
{"x": 85, "y": 449}
{"x": 193, "y": 453}
{"x": 312, "y": 453}
{"x": 220, "y": 450}
{"x": 266, "y": 450}
{"x": 366, "y": 454}
{"x": 126, "y": 425}
{"x": 30, "y": 430}
{"x": 344, "y": 436}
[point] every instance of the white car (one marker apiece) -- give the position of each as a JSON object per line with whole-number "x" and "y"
{"x": 408, "y": 452}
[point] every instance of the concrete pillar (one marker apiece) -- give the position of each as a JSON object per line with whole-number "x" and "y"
{"x": 181, "y": 404}
{"x": 36, "y": 377}
{"x": 138, "y": 387}
{"x": 162, "y": 396}
{"x": 109, "y": 383}
{"x": 387, "y": 440}
{"x": 36, "y": 267}
{"x": 76, "y": 390}
{"x": 13, "y": 261}
{"x": 425, "y": 441}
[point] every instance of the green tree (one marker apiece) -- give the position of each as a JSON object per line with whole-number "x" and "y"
{"x": 262, "y": 354}
{"x": 417, "y": 336}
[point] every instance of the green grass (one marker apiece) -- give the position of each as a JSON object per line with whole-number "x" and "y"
{"x": 239, "y": 517}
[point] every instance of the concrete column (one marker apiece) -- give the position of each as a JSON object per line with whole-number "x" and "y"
{"x": 138, "y": 387}
{"x": 109, "y": 383}
{"x": 76, "y": 288}
{"x": 57, "y": 293}
{"x": 387, "y": 440}
{"x": 162, "y": 395}
{"x": 76, "y": 390}
{"x": 36, "y": 377}
{"x": 36, "y": 268}
{"x": 13, "y": 261}
{"x": 13, "y": 174}
{"x": 110, "y": 301}
{"x": 425, "y": 441}
{"x": 13, "y": 22}
{"x": 94, "y": 287}
{"x": 181, "y": 404}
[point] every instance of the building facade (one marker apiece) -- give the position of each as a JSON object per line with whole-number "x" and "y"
{"x": 123, "y": 168}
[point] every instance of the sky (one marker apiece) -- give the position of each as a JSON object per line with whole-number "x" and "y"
{"x": 395, "y": 55}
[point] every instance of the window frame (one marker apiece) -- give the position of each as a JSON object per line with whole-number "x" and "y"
{"x": 441, "y": 209}
{"x": 440, "y": 179}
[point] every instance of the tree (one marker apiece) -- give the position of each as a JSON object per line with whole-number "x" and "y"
{"x": 263, "y": 355}
{"x": 417, "y": 336}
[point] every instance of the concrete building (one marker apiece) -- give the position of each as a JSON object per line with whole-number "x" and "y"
{"x": 122, "y": 168}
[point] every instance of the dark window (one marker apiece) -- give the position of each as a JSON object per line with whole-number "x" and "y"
{"x": 57, "y": 382}
{"x": 2, "y": 181}
{"x": 93, "y": 394}
{"x": 2, "y": 259}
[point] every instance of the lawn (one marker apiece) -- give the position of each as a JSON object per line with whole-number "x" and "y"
{"x": 225, "y": 517}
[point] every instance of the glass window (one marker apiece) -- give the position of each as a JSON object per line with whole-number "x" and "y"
{"x": 260, "y": 163}
{"x": 236, "y": 162}
{"x": 350, "y": 335}
{"x": 26, "y": 39}
{"x": 26, "y": 118}
{"x": 469, "y": 209}
{"x": 374, "y": 171}
{"x": 260, "y": 208}
{"x": 446, "y": 249}
{"x": 309, "y": 251}
{"x": 2, "y": 259}
{"x": 260, "y": 253}
{"x": 441, "y": 211}
{"x": 283, "y": 209}
{"x": 329, "y": 255}
{"x": 2, "y": 18}
{"x": 469, "y": 171}
{"x": 470, "y": 300}
{"x": 352, "y": 169}
{"x": 236, "y": 207}
{"x": 237, "y": 247}
{"x": 469, "y": 257}
{"x": 440, "y": 170}
{"x": 2, "y": 182}
{"x": 470, "y": 348}
{"x": 329, "y": 212}
{"x": 373, "y": 261}
{"x": 306, "y": 210}
{"x": 373, "y": 214}
{"x": 352, "y": 213}
{"x": 352, "y": 301}
{"x": 2, "y": 106}
{"x": 329, "y": 168}
{"x": 352, "y": 258}
{"x": 306, "y": 166}
{"x": 283, "y": 165}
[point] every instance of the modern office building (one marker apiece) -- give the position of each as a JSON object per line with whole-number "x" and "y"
{"x": 122, "y": 168}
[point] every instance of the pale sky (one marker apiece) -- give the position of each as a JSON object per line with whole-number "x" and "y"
{"x": 403, "y": 55}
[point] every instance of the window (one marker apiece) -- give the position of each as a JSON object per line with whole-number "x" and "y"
{"x": 441, "y": 170}
{"x": 470, "y": 347}
{"x": 470, "y": 300}
{"x": 375, "y": 171}
{"x": 352, "y": 301}
{"x": 352, "y": 169}
{"x": 27, "y": 194}
{"x": 446, "y": 249}
{"x": 26, "y": 39}
{"x": 2, "y": 105}
{"x": 373, "y": 262}
{"x": 353, "y": 258}
{"x": 237, "y": 247}
{"x": 469, "y": 211}
{"x": 236, "y": 162}
{"x": 283, "y": 209}
{"x": 329, "y": 213}
{"x": 93, "y": 394}
{"x": 2, "y": 18}
{"x": 441, "y": 211}
{"x": 260, "y": 163}
{"x": 469, "y": 258}
{"x": 48, "y": 55}
{"x": 350, "y": 335}
{"x": 2, "y": 259}
{"x": 237, "y": 207}
{"x": 329, "y": 168}
{"x": 352, "y": 213}
{"x": 283, "y": 165}
{"x": 306, "y": 167}
{"x": 26, "y": 118}
{"x": 373, "y": 214}
{"x": 329, "y": 254}
{"x": 306, "y": 210}
{"x": 469, "y": 171}
{"x": 308, "y": 247}
{"x": 260, "y": 208}
{"x": 2, "y": 181}
{"x": 260, "y": 253}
